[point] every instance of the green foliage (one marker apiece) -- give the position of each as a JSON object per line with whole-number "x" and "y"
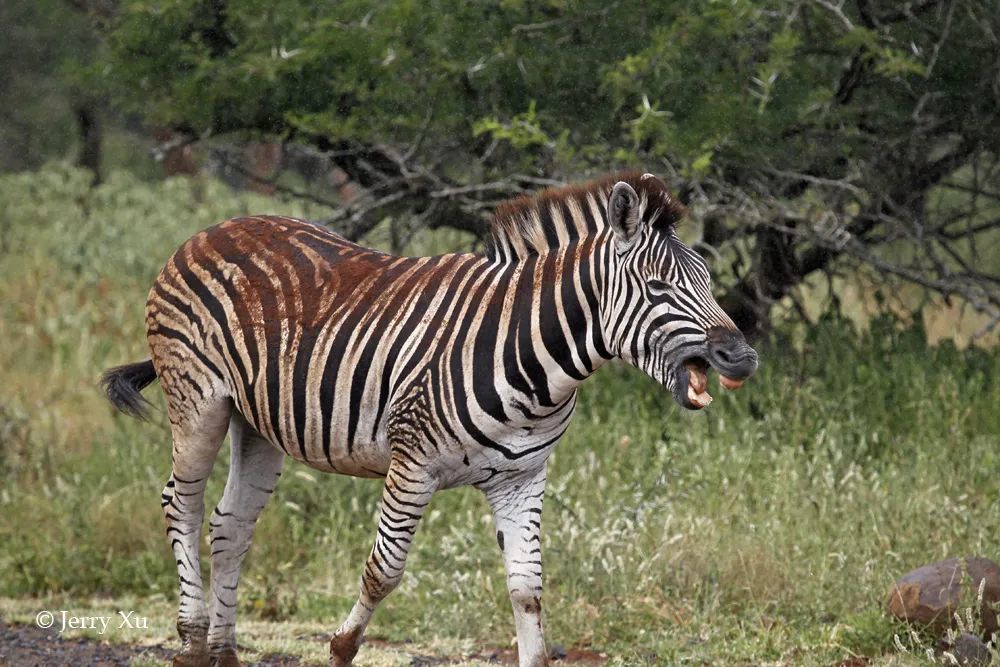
{"x": 522, "y": 132}
{"x": 385, "y": 72}
{"x": 745, "y": 77}
{"x": 766, "y": 529}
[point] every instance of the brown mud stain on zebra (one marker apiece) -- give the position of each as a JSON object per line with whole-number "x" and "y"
{"x": 432, "y": 372}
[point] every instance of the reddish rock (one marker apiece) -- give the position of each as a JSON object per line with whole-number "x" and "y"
{"x": 177, "y": 155}
{"x": 930, "y": 595}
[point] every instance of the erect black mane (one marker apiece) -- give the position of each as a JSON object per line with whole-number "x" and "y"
{"x": 533, "y": 224}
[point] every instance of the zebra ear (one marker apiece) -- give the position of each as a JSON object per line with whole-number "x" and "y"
{"x": 623, "y": 215}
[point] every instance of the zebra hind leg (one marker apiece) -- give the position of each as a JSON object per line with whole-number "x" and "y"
{"x": 405, "y": 496}
{"x": 517, "y": 514}
{"x": 254, "y": 469}
{"x": 197, "y": 438}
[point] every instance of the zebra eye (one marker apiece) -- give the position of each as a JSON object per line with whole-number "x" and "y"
{"x": 657, "y": 287}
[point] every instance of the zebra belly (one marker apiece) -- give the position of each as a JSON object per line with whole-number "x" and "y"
{"x": 361, "y": 459}
{"x": 465, "y": 460}
{"x": 317, "y": 437}
{"x": 368, "y": 460}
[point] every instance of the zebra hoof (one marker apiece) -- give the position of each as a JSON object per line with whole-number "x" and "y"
{"x": 191, "y": 660}
{"x": 343, "y": 648}
{"x": 226, "y": 659}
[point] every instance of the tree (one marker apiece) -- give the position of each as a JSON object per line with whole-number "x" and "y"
{"x": 45, "y": 115}
{"x": 807, "y": 136}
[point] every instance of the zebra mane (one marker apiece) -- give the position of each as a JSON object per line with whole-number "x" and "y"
{"x": 532, "y": 224}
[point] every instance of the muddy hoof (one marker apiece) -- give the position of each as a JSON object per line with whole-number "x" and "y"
{"x": 191, "y": 660}
{"x": 343, "y": 648}
{"x": 226, "y": 659}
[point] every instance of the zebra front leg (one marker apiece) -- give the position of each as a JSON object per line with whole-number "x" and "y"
{"x": 517, "y": 514}
{"x": 197, "y": 437}
{"x": 254, "y": 469}
{"x": 404, "y": 498}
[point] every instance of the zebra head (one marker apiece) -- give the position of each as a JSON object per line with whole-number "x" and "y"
{"x": 659, "y": 314}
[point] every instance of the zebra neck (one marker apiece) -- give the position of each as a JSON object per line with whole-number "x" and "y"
{"x": 553, "y": 338}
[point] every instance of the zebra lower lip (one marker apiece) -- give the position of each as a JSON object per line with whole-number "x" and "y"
{"x": 729, "y": 383}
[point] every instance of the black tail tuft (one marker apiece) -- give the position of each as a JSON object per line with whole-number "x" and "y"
{"x": 122, "y": 385}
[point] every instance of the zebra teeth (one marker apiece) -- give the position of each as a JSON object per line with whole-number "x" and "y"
{"x": 697, "y": 389}
{"x": 696, "y": 376}
{"x": 698, "y": 399}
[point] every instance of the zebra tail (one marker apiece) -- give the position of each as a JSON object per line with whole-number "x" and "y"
{"x": 123, "y": 384}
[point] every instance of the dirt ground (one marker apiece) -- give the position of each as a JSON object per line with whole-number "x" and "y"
{"x": 30, "y": 646}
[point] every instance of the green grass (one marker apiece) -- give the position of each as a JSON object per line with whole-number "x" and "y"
{"x": 765, "y": 530}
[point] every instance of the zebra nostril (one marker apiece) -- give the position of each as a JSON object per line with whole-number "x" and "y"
{"x": 735, "y": 362}
{"x": 728, "y": 350}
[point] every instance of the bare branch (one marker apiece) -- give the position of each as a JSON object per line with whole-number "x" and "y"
{"x": 837, "y": 10}
{"x": 223, "y": 156}
{"x": 972, "y": 190}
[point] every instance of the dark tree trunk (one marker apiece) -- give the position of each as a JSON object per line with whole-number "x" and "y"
{"x": 88, "y": 120}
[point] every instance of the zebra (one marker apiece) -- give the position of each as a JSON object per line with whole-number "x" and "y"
{"x": 429, "y": 372}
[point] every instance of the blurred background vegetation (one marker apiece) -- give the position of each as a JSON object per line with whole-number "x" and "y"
{"x": 813, "y": 140}
{"x": 839, "y": 159}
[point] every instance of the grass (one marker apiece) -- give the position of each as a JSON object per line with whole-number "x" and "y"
{"x": 766, "y": 530}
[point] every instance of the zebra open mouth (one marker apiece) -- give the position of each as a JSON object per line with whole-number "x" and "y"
{"x": 691, "y": 387}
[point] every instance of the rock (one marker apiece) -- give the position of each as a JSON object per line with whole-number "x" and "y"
{"x": 930, "y": 595}
{"x": 970, "y": 650}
